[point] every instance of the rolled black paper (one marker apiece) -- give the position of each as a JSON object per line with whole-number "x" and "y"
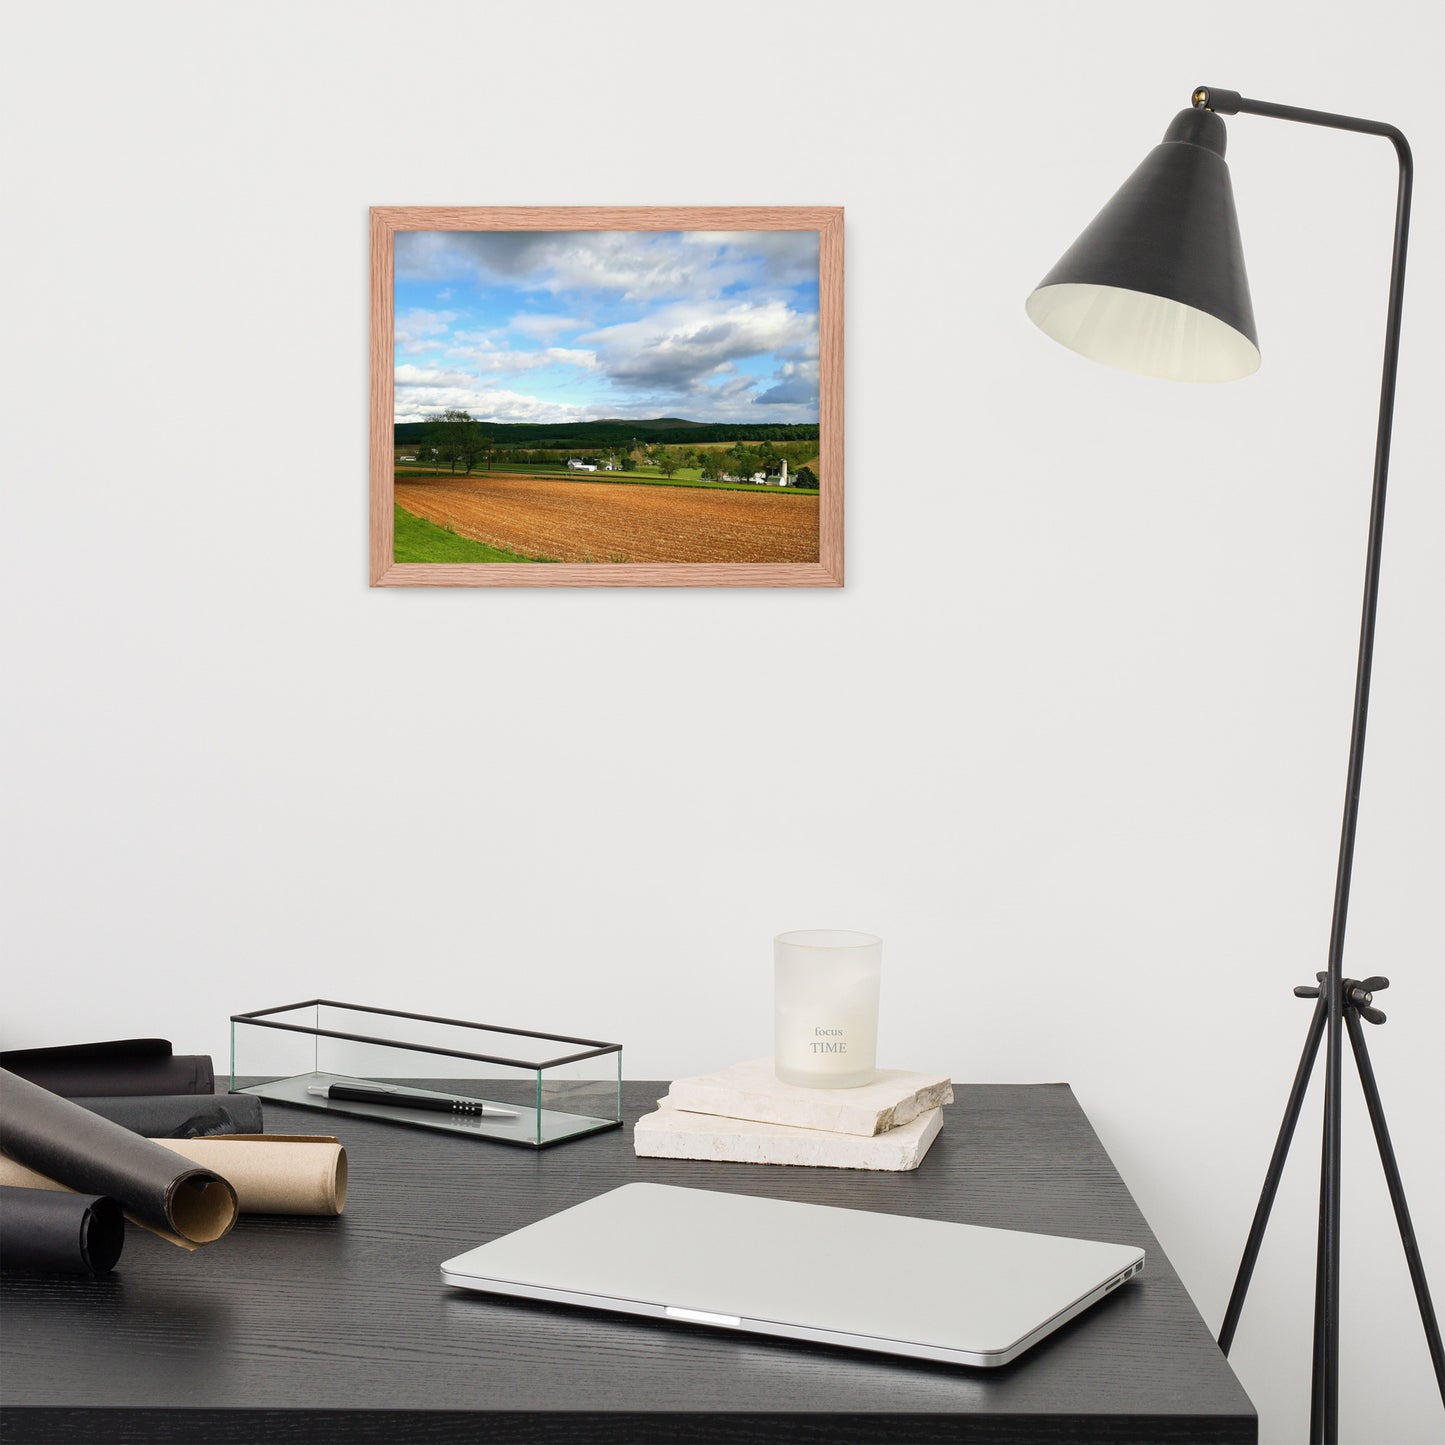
{"x": 47, "y": 1232}
{"x": 117, "y": 1066}
{"x": 181, "y": 1116}
{"x": 63, "y": 1142}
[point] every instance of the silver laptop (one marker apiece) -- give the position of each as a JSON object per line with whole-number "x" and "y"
{"x": 918, "y": 1287}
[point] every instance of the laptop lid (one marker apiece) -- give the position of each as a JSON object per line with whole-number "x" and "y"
{"x": 919, "y": 1287}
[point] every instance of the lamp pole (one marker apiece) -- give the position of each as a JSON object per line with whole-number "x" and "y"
{"x": 1338, "y": 1000}
{"x": 1156, "y": 284}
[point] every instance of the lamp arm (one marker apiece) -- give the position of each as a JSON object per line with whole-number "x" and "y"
{"x": 1325, "y": 1415}
{"x": 1231, "y": 102}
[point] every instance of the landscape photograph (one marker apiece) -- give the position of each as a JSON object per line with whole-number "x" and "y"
{"x": 606, "y": 397}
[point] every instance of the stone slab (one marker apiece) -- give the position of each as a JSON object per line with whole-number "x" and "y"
{"x": 753, "y": 1091}
{"x": 673, "y": 1133}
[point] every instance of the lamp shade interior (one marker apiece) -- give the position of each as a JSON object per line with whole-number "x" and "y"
{"x": 1148, "y": 335}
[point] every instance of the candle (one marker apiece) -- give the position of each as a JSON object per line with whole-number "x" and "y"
{"x": 825, "y": 993}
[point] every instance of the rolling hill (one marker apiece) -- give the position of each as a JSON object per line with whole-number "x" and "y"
{"x": 617, "y": 431}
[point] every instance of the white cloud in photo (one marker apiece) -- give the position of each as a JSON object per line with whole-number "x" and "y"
{"x": 714, "y": 326}
{"x": 734, "y": 386}
{"x": 497, "y": 360}
{"x": 788, "y": 258}
{"x": 794, "y": 383}
{"x": 543, "y": 327}
{"x": 426, "y": 403}
{"x": 573, "y": 356}
{"x": 675, "y": 347}
{"x": 420, "y": 376}
{"x": 419, "y": 329}
{"x": 637, "y": 265}
{"x": 418, "y": 324}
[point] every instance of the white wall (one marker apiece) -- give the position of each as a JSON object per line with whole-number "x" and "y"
{"x": 1072, "y": 739}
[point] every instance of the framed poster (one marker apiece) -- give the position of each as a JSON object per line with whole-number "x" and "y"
{"x": 607, "y": 397}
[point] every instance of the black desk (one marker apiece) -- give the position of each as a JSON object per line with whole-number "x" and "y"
{"x": 310, "y": 1330}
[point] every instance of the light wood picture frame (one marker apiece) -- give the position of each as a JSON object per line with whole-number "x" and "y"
{"x": 726, "y": 497}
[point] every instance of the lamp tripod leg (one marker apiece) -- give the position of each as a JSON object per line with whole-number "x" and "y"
{"x": 1273, "y": 1175}
{"x": 1397, "y": 1196}
{"x": 1319, "y": 1431}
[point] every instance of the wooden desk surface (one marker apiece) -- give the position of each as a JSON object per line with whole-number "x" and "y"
{"x": 315, "y": 1330}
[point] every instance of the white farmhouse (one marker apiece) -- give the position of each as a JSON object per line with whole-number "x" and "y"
{"x": 576, "y": 464}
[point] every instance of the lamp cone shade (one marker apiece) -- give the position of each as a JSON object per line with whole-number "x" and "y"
{"x": 1156, "y": 283}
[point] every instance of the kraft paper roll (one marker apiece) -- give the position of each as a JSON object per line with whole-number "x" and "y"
{"x": 117, "y": 1066}
{"x": 271, "y": 1173}
{"x": 75, "y": 1149}
{"x": 48, "y": 1233}
{"x": 181, "y": 1116}
{"x": 274, "y": 1173}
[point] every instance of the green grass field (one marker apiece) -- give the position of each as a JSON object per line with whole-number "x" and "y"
{"x": 418, "y": 540}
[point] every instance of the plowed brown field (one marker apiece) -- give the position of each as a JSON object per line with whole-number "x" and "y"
{"x": 618, "y": 522}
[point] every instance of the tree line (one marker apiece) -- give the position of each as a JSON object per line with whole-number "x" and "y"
{"x": 457, "y": 440}
{"x": 602, "y": 435}
{"x": 742, "y": 459}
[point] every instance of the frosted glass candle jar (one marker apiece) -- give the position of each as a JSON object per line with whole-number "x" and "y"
{"x": 825, "y": 994}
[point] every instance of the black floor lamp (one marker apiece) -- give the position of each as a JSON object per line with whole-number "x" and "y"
{"x": 1156, "y": 285}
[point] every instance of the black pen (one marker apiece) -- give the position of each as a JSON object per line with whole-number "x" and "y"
{"x": 409, "y": 1099}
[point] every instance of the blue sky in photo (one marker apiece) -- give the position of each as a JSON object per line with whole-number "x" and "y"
{"x": 559, "y": 326}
